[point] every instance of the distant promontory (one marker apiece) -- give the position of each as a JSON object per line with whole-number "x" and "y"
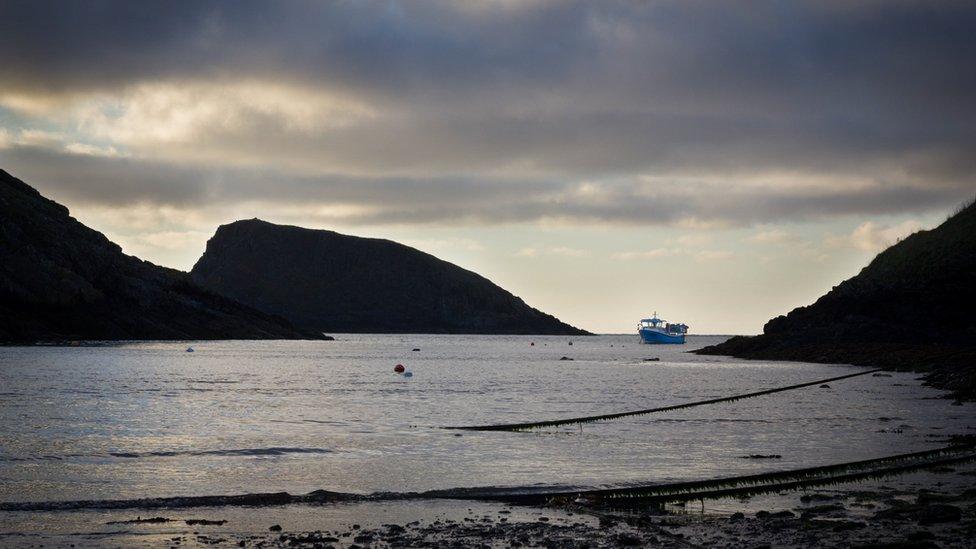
{"x": 325, "y": 281}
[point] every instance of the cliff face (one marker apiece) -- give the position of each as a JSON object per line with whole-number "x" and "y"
{"x": 327, "y": 281}
{"x": 60, "y": 280}
{"x": 913, "y": 307}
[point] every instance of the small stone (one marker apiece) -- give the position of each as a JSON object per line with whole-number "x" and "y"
{"x": 845, "y": 525}
{"x": 939, "y": 512}
{"x": 629, "y": 540}
{"x": 275, "y": 528}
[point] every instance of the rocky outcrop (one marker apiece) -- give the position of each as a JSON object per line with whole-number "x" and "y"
{"x": 912, "y": 308}
{"x": 327, "y": 281}
{"x": 60, "y": 281}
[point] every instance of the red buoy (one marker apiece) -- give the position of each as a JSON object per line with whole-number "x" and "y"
{"x": 399, "y": 368}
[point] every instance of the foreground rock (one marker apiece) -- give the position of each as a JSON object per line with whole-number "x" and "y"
{"x": 911, "y": 308}
{"x": 904, "y": 521}
{"x": 62, "y": 281}
{"x": 330, "y": 282}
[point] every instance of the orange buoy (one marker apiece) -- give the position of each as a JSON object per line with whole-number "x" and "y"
{"x": 399, "y": 368}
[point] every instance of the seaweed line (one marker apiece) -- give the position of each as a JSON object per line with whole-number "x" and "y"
{"x": 605, "y": 417}
{"x": 741, "y": 485}
{"x": 623, "y": 496}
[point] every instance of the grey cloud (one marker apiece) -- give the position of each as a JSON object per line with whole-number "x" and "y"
{"x": 764, "y": 57}
{"x": 102, "y": 180}
{"x": 552, "y": 92}
{"x": 119, "y": 182}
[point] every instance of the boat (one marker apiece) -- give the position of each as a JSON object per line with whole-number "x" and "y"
{"x": 655, "y": 330}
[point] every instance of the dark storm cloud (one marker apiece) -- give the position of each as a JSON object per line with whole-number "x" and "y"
{"x": 553, "y": 92}
{"x": 876, "y": 55}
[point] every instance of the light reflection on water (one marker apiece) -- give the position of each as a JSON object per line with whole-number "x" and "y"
{"x": 149, "y": 419}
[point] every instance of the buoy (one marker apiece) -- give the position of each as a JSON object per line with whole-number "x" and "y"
{"x": 407, "y": 374}
{"x": 189, "y": 349}
{"x": 399, "y": 368}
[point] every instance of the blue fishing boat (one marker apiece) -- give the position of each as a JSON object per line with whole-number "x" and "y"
{"x": 655, "y": 330}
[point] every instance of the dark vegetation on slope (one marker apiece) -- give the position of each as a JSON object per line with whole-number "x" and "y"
{"x": 912, "y": 308}
{"x": 327, "y": 281}
{"x": 61, "y": 281}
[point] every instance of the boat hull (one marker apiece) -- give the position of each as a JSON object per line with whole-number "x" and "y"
{"x": 654, "y": 337}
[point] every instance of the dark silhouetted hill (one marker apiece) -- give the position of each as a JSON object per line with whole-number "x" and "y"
{"x": 912, "y": 308}
{"x": 60, "y": 280}
{"x": 327, "y": 281}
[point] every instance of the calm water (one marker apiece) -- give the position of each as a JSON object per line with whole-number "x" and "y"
{"x": 149, "y": 419}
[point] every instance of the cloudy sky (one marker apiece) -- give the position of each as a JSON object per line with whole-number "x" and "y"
{"x": 720, "y": 163}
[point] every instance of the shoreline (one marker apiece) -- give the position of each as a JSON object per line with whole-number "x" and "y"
{"x": 960, "y": 451}
{"x": 922, "y": 509}
{"x": 951, "y": 369}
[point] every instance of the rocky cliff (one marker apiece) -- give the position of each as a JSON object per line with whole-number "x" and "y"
{"x": 60, "y": 280}
{"x": 913, "y": 307}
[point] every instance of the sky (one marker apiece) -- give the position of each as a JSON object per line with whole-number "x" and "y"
{"x": 719, "y": 163}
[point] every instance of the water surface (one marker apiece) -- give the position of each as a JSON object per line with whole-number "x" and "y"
{"x": 149, "y": 419}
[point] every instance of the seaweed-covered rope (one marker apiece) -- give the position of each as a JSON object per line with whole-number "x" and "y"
{"x": 605, "y": 417}
{"x": 774, "y": 481}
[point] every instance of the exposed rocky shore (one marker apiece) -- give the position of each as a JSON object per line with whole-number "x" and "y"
{"x": 896, "y": 513}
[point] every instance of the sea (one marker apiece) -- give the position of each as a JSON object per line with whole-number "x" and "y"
{"x": 150, "y": 419}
